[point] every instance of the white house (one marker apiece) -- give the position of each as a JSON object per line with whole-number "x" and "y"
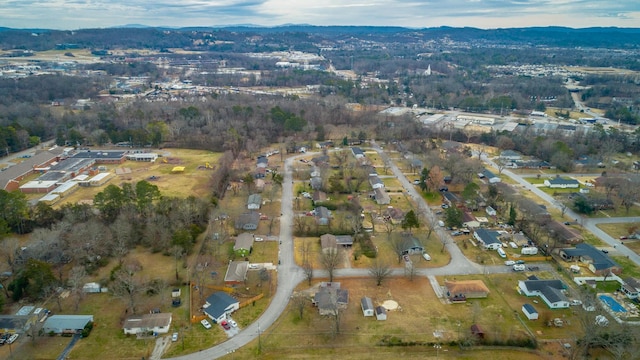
{"x": 219, "y": 305}
{"x": 488, "y": 238}
{"x": 376, "y": 182}
{"x": 510, "y": 155}
{"x": 491, "y": 177}
{"x": 550, "y": 291}
{"x": 151, "y": 323}
{"x": 367, "y": 306}
{"x": 357, "y": 152}
{"x": 530, "y": 312}
{"x": 254, "y": 202}
{"x": 66, "y": 324}
{"x": 561, "y": 183}
{"x": 490, "y": 211}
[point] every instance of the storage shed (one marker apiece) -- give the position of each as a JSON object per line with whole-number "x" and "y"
{"x": 381, "y": 313}
{"x": 367, "y": 306}
{"x": 530, "y": 312}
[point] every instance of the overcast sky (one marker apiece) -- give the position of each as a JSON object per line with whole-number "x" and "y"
{"x": 486, "y": 14}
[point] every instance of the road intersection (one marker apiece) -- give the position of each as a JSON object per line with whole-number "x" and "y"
{"x": 290, "y": 275}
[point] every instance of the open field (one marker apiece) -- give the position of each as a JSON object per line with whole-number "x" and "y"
{"x": 191, "y": 182}
{"x": 421, "y": 314}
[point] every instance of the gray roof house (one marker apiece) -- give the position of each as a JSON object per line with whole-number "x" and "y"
{"x": 66, "y": 324}
{"x": 323, "y": 215}
{"x": 411, "y": 245}
{"x": 236, "y": 272}
{"x": 328, "y": 243}
{"x": 550, "y": 291}
{"x": 248, "y": 221}
{"x": 344, "y": 240}
{"x": 316, "y": 183}
{"x": 357, "y": 152}
{"x": 376, "y": 182}
{"x": 331, "y": 299}
{"x": 254, "y": 202}
{"x": 598, "y": 262}
{"x": 491, "y": 177}
{"x": 219, "y": 304}
{"x": 562, "y": 183}
{"x": 156, "y": 323}
{"x": 510, "y": 155}
{"x": 244, "y": 244}
{"x": 488, "y": 238}
{"x": 381, "y": 197}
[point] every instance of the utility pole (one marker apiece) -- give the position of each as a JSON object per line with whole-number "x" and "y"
{"x": 259, "y": 340}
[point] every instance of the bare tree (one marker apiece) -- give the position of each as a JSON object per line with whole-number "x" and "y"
{"x": 77, "y": 277}
{"x": 299, "y": 301}
{"x": 379, "y": 271}
{"x": 397, "y": 245}
{"x": 127, "y": 286}
{"x": 330, "y": 261}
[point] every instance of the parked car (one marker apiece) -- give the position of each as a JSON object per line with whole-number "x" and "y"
{"x": 605, "y": 251}
{"x": 426, "y": 256}
{"x": 533, "y": 268}
{"x": 12, "y": 338}
{"x": 174, "y": 337}
{"x": 520, "y": 262}
{"x": 225, "y": 324}
{"x": 233, "y": 323}
{"x": 254, "y": 266}
{"x": 518, "y": 267}
{"x": 205, "y": 323}
{"x": 258, "y": 239}
{"x": 416, "y": 182}
{"x": 509, "y": 263}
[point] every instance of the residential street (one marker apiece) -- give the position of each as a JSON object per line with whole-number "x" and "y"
{"x": 588, "y": 223}
{"x": 290, "y": 275}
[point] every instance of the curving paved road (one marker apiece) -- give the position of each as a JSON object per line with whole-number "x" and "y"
{"x": 588, "y": 223}
{"x": 289, "y": 276}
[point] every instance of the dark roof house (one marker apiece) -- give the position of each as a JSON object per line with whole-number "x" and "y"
{"x": 598, "y": 262}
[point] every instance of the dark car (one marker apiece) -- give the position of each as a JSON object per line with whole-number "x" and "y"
{"x": 534, "y": 268}
{"x": 605, "y": 251}
{"x": 520, "y": 262}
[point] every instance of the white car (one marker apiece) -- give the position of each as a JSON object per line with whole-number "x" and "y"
{"x": 205, "y": 323}
{"x": 258, "y": 239}
{"x": 426, "y": 257}
{"x": 509, "y": 262}
{"x": 518, "y": 267}
{"x": 12, "y": 338}
{"x": 174, "y": 337}
{"x": 233, "y": 323}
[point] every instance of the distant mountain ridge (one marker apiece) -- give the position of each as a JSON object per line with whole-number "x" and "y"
{"x": 139, "y": 35}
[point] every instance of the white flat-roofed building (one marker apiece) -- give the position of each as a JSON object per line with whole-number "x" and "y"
{"x": 38, "y": 186}
{"x": 100, "y": 179}
{"x": 49, "y": 199}
{"x": 149, "y": 157}
{"x": 66, "y": 188}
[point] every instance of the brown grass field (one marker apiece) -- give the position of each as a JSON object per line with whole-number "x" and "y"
{"x": 420, "y": 314}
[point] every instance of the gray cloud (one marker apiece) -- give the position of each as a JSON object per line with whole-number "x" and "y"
{"x": 74, "y": 14}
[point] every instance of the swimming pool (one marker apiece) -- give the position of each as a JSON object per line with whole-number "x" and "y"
{"x": 612, "y": 303}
